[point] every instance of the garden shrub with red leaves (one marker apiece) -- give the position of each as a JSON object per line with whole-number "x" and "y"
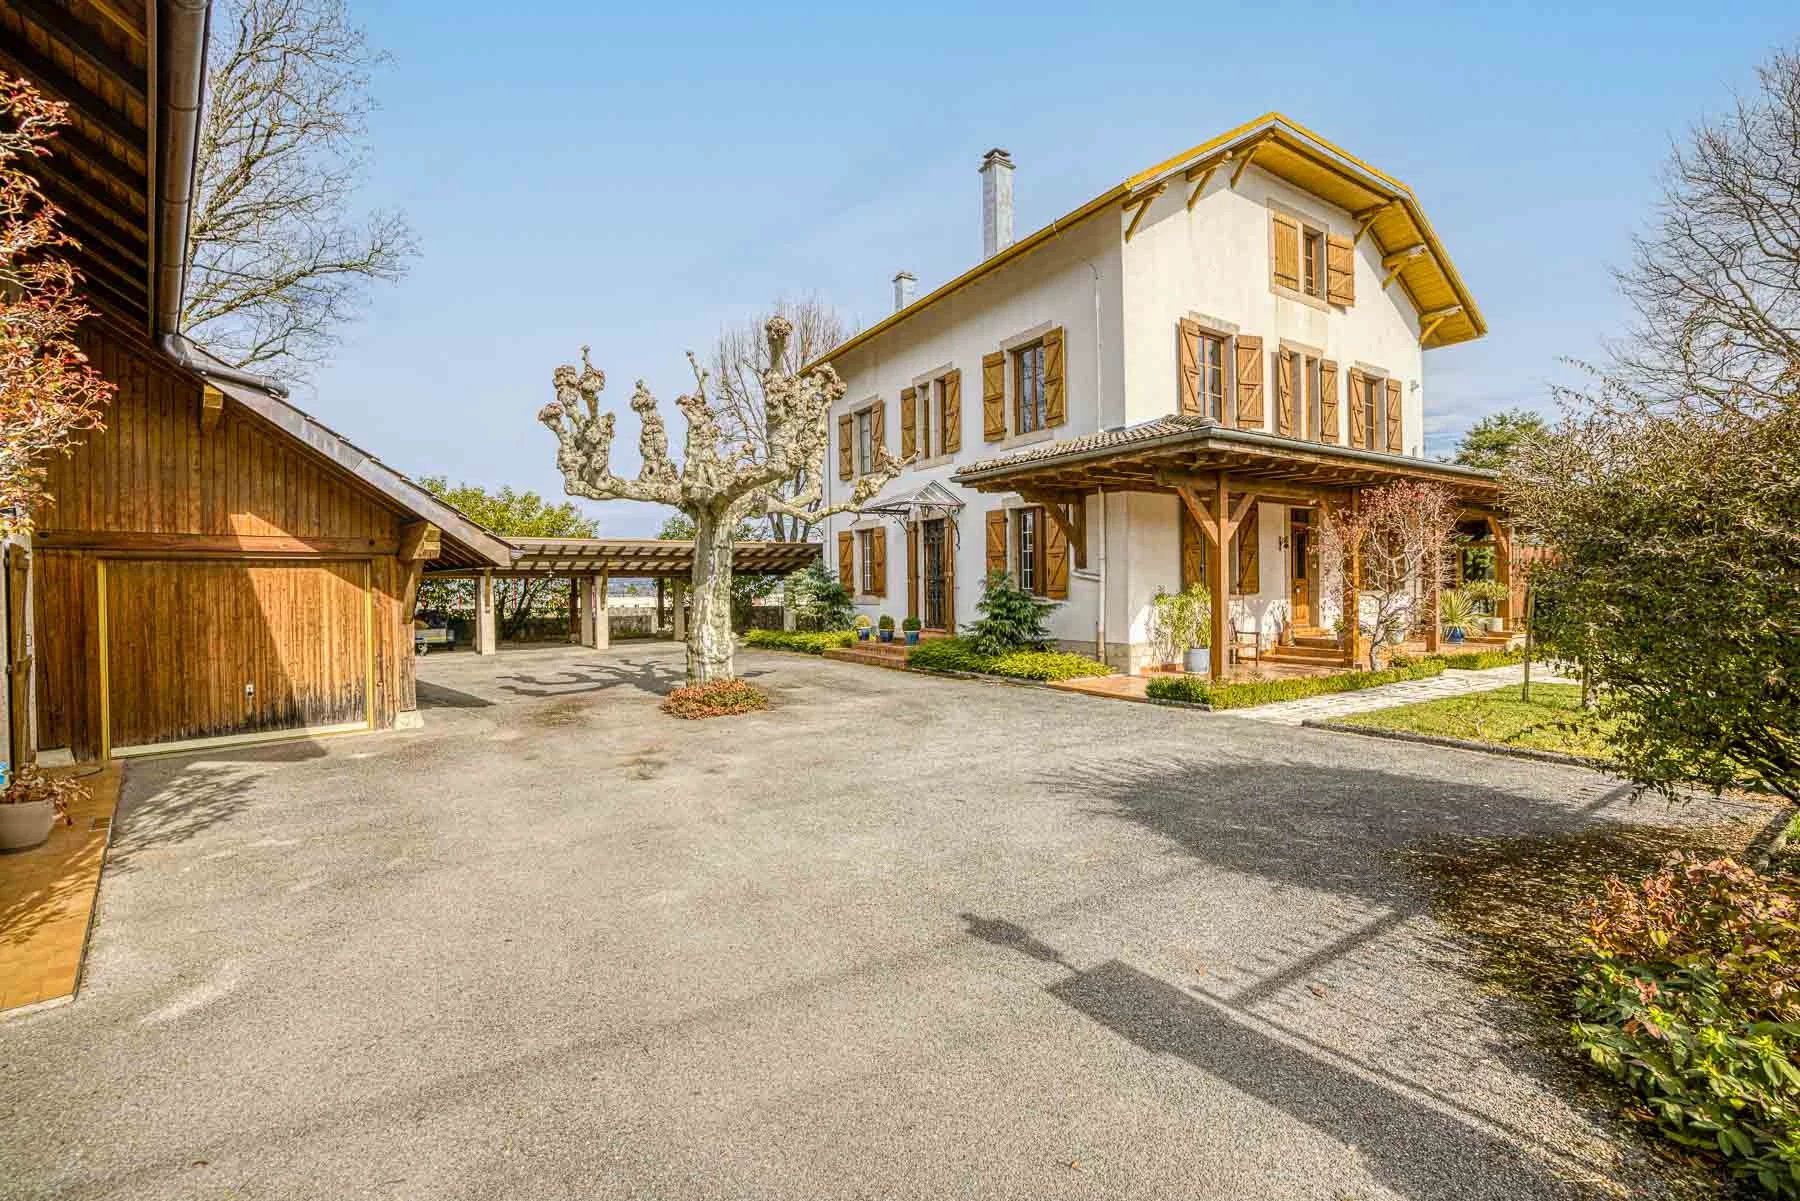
{"x": 721, "y": 698}
{"x": 1692, "y": 998}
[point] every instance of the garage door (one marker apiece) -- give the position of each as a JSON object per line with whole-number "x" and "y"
{"x": 208, "y": 649}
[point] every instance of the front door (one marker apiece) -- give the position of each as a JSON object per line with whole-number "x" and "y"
{"x": 1303, "y": 563}
{"x": 932, "y": 536}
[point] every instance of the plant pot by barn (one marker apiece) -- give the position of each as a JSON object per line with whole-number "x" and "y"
{"x": 1197, "y": 662}
{"x": 25, "y": 825}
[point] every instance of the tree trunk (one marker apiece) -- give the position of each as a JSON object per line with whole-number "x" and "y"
{"x": 709, "y": 641}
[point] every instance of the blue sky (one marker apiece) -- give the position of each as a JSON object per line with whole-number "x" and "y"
{"x": 635, "y": 178}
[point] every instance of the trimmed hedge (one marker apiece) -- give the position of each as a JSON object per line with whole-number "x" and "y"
{"x": 804, "y": 643}
{"x": 1482, "y": 660}
{"x": 959, "y": 654}
{"x": 1244, "y": 694}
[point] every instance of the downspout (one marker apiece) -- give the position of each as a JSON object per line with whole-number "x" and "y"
{"x": 1100, "y": 494}
{"x": 181, "y": 66}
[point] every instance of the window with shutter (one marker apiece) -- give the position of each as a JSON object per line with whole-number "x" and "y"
{"x": 1249, "y": 382}
{"x": 1056, "y": 558}
{"x": 1029, "y": 408}
{"x": 847, "y": 559}
{"x": 1300, "y": 257}
{"x": 878, "y": 426}
{"x": 1359, "y": 413}
{"x": 1284, "y": 392}
{"x": 1193, "y": 550}
{"x": 1246, "y": 571}
{"x": 993, "y": 397}
{"x": 1328, "y": 401}
{"x": 1396, "y": 435}
{"x": 1286, "y": 255}
{"x": 1201, "y": 356}
{"x": 846, "y": 463}
{"x": 1028, "y": 552}
{"x": 878, "y": 561}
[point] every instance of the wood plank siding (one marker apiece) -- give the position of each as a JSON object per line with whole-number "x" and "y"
{"x": 231, "y": 556}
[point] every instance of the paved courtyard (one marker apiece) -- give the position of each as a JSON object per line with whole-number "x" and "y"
{"x": 900, "y": 937}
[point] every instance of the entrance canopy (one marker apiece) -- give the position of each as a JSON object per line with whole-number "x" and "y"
{"x": 921, "y": 504}
{"x": 1166, "y": 454}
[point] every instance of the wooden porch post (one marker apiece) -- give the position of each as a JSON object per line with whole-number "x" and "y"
{"x": 1352, "y": 601}
{"x": 1218, "y": 576}
{"x": 1503, "y": 608}
{"x": 485, "y": 642}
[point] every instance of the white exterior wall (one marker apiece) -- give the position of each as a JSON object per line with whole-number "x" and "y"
{"x": 1073, "y": 282}
{"x": 1213, "y": 264}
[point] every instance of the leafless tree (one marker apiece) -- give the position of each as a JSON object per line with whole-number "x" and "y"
{"x": 1716, "y": 278}
{"x": 276, "y": 262}
{"x": 717, "y": 485}
{"x": 740, "y": 361}
{"x": 1395, "y": 545}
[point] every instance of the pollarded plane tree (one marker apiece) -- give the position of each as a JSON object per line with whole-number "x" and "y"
{"x": 720, "y": 481}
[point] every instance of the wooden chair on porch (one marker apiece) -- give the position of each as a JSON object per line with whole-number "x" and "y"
{"x": 1243, "y": 646}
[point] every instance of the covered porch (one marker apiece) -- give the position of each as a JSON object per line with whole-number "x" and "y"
{"x": 591, "y": 564}
{"x": 1222, "y": 481}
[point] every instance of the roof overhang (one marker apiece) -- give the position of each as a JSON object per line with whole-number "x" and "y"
{"x": 1384, "y": 208}
{"x": 641, "y": 557}
{"x": 1168, "y": 453}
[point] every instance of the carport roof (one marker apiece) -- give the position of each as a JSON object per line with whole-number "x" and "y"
{"x": 648, "y": 556}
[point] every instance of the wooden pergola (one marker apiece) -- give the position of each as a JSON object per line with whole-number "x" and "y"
{"x": 1218, "y": 473}
{"x": 591, "y": 563}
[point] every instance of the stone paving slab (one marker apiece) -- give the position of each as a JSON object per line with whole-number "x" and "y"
{"x": 1339, "y": 704}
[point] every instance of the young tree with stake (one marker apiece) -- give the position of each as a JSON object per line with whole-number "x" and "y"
{"x": 719, "y": 484}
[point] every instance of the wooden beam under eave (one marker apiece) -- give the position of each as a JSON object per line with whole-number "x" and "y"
{"x": 1143, "y": 206}
{"x": 78, "y": 39}
{"x": 22, "y": 60}
{"x": 420, "y": 540}
{"x": 212, "y": 408}
{"x": 1201, "y": 179}
{"x": 1244, "y": 163}
{"x": 1404, "y": 254}
{"x": 1430, "y": 329}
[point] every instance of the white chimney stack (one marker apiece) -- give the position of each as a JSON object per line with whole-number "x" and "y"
{"x": 903, "y": 290}
{"x": 996, "y": 202}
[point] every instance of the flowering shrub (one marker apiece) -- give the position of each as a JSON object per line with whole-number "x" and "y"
{"x": 30, "y": 784}
{"x": 1692, "y": 999}
{"x": 721, "y": 698}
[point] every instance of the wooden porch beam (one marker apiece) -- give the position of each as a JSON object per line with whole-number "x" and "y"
{"x": 1070, "y": 515}
{"x": 420, "y": 540}
{"x": 80, "y": 41}
{"x": 1219, "y": 580}
{"x": 22, "y": 60}
{"x": 212, "y": 408}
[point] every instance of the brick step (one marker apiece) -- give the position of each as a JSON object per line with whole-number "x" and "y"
{"x": 1305, "y": 652}
{"x": 875, "y": 654}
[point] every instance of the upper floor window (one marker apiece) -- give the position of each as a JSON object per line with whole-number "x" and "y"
{"x": 1028, "y": 388}
{"x": 865, "y": 441}
{"x": 866, "y": 539}
{"x": 1312, "y": 261}
{"x": 1298, "y": 256}
{"x": 1297, "y": 394}
{"x": 1210, "y": 357}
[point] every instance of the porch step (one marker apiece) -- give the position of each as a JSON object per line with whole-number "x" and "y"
{"x": 875, "y": 654}
{"x": 1321, "y": 640}
{"x": 1305, "y": 653}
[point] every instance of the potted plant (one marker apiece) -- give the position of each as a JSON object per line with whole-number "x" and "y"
{"x": 1454, "y": 614}
{"x": 29, "y": 806}
{"x": 912, "y": 626}
{"x": 862, "y": 624}
{"x": 1164, "y": 629}
{"x": 887, "y": 628}
{"x": 1486, "y": 595}
{"x": 1192, "y": 610}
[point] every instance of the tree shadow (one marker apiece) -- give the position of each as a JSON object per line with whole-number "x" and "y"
{"x": 1415, "y": 1142}
{"x": 655, "y": 677}
{"x": 169, "y": 802}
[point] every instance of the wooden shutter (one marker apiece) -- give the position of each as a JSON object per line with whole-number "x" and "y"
{"x": 951, "y": 538}
{"x": 1055, "y": 411}
{"x": 1328, "y": 400}
{"x": 912, "y": 570}
{"x": 1249, "y": 382}
{"x": 952, "y": 432}
{"x": 1284, "y": 392}
{"x": 1340, "y": 270}
{"x": 17, "y": 678}
{"x": 847, "y": 560}
{"x": 1245, "y": 550}
{"x": 1187, "y": 356}
{"x": 996, "y": 540}
{"x": 877, "y": 432}
{"x": 1056, "y": 557}
{"x": 909, "y": 422}
{"x": 846, "y": 452}
{"x": 1359, "y": 384}
{"x": 1193, "y": 550}
{"x": 878, "y": 561}
{"x": 993, "y": 397}
{"x": 1286, "y": 251}
{"x": 1396, "y": 440}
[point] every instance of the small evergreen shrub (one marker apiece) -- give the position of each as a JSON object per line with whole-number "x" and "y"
{"x": 805, "y": 643}
{"x": 721, "y": 698}
{"x": 961, "y": 654}
{"x": 1244, "y": 694}
{"x": 1011, "y": 618}
{"x": 820, "y": 600}
{"x": 1692, "y": 999}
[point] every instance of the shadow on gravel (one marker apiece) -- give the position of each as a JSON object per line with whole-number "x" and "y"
{"x": 1420, "y": 1150}
{"x": 170, "y": 802}
{"x": 654, "y": 677}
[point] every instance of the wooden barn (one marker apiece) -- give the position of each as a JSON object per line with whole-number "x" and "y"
{"x": 214, "y": 564}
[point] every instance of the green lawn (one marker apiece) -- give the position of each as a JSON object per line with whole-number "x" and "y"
{"x": 1552, "y": 720}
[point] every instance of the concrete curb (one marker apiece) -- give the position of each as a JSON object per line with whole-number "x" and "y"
{"x": 1458, "y": 744}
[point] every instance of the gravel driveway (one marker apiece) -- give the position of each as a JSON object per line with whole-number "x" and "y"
{"x": 900, "y": 937}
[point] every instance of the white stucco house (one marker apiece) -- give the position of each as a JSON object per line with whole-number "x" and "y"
{"x": 1222, "y": 344}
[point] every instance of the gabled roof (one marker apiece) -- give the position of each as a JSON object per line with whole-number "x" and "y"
{"x": 1385, "y": 207}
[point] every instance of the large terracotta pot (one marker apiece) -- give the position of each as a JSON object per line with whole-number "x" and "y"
{"x": 25, "y": 825}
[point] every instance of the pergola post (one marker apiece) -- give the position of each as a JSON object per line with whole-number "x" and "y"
{"x": 1352, "y": 600}
{"x": 485, "y": 642}
{"x": 602, "y": 615}
{"x": 584, "y": 605}
{"x": 660, "y": 582}
{"x": 679, "y": 601}
{"x": 1218, "y": 578}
